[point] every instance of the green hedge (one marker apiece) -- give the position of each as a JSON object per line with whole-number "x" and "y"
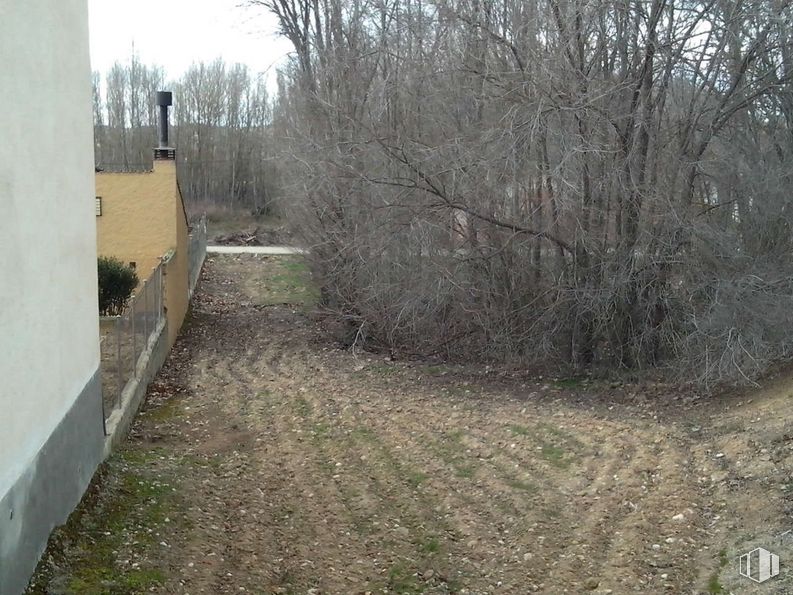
{"x": 117, "y": 281}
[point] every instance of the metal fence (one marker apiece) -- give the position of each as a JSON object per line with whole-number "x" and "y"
{"x": 197, "y": 251}
{"x": 124, "y": 339}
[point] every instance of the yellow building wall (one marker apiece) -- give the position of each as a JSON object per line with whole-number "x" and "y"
{"x": 142, "y": 220}
{"x": 177, "y": 276}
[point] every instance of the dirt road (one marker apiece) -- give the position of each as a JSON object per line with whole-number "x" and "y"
{"x": 268, "y": 460}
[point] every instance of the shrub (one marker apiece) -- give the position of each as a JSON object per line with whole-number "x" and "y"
{"x": 117, "y": 281}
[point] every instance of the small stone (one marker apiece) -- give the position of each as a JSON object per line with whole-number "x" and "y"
{"x": 664, "y": 576}
{"x": 719, "y": 476}
{"x": 656, "y": 547}
{"x": 679, "y": 517}
{"x": 429, "y": 574}
{"x": 592, "y": 583}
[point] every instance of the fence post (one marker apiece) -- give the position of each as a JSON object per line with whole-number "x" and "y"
{"x": 159, "y": 295}
{"x": 134, "y": 336}
{"x": 145, "y": 316}
{"x": 119, "y": 362}
{"x": 102, "y": 349}
{"x": 156, "y": 297}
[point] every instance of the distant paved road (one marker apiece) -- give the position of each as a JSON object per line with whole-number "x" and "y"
{"x": 267, "y": 250}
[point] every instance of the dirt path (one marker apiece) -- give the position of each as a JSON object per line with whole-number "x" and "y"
{"x": 267, "y": 460}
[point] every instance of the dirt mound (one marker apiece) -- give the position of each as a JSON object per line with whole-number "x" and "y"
{"x": 258, "y": 236}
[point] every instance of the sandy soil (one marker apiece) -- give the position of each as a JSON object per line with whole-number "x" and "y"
{"x": 269, "y": 460}
{"x": 240, "y": 229}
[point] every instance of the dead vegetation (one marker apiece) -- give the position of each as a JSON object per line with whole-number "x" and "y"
{"x": 585, "y": 184}
{"x": 227, "y": 227}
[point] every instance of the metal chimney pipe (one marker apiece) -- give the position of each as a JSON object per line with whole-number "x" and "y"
{"x": 164, "y": 100}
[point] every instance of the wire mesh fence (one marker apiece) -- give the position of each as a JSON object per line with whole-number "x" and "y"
{"x": 197, "y": 251}
{"x": 124, "y": 339}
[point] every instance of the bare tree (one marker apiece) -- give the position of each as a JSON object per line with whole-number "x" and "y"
{"x": 574, "y": 181}
{"x": 221, "y": 126}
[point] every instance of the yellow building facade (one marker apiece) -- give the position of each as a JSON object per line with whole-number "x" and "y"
{"x": 141, "y": 218}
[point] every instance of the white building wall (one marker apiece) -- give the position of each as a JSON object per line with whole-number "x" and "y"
{"x": 49, "y": 350}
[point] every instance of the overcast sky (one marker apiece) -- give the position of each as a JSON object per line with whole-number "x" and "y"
{"x": 176, "y": 33}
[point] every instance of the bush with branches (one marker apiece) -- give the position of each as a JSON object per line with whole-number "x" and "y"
{"x": 117, "y": 281}
{"x": 586, "y": 183}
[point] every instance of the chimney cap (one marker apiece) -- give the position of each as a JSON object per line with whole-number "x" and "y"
{"x": 164, "y": 98}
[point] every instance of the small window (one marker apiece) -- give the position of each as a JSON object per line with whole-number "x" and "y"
{"x": 98, "y": 206}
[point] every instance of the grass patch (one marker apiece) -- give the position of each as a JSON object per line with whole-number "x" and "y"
{"x": 138, "y": 457}
{"x": 553, "y": 442}
{"x": 285, "y": 280}
{"x": 552, "y": 512}
{"x": 556, "y": 446}
{"x": 457, "y": 390}
{"x": 455, "y": 435}
{"x": 101, "y": 581}
{"x": 402, "y": 581}
{"x": 524, "y": 486}
{"x": 558, "y": 433}
{"x": 125, "y": 505}
{"x": 554, "y": 455}
{"x": 365, "y": 434}
{"x": 285, "y": 579}
{"x": 465, "y": 471}
{"x": 302, "y": 407}
{"x": 430, "y": 546}
{"x": 723, "y": 561}
{"x": 379, "y": 369}
{"x": 295, "y": 266}
{"x": 320, "y": 430}
{"x": 519, "y": 430}
{"x": 451, "y": 451}
{"x": 165, "y": 410}
{"x": 572, "y": 382}
{"x": 509, "y": 478}
{"x": 714, "y": 586}
{"x": 415, "y": 478}
{"x": 202, "y": 462}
